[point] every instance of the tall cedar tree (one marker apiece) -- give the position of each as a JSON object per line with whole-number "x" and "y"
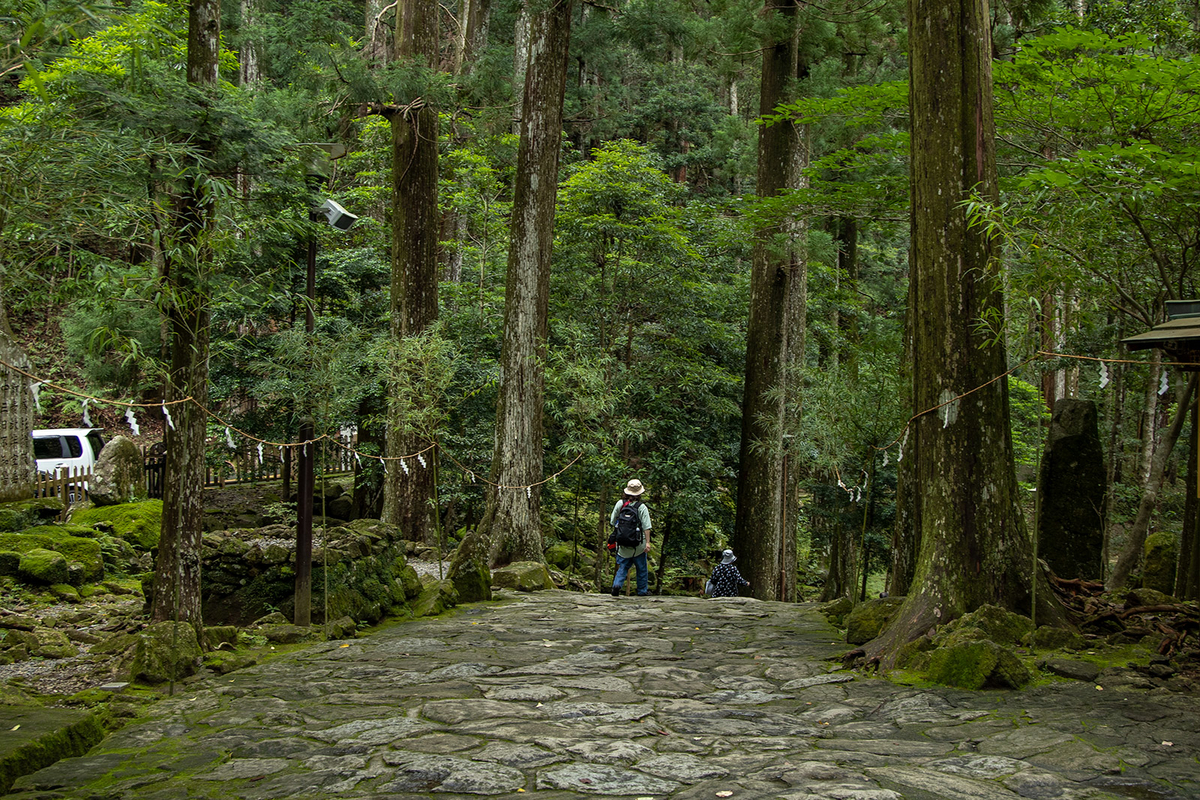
{"x": 177, "y": 572}
{"x": 973, "y": 547}
{"x": 774, "y": 332}
{"x": 414, "y": 288}
{"x": 511, "y": 519}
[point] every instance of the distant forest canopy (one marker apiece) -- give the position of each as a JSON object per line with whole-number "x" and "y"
{"x": 141, "y": 205}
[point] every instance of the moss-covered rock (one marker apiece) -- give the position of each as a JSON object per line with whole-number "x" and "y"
{"x": 1050, "y": 638}
{"x": 976, "y": 665}
{"x": 559, "y": 555}
{"x": 437, "y": 597}
{"x": 165, "y": 651}
{"x": 470, "y": 568}
{"x": 45, "y": 735}
{"x": 837, "y": 610}
{"x": 62, "y": 539}
{"x": 915, "y": 654}
{"x": 12, "y": 520}
{"x": 137, "y": 523}
{"x": 1159, "y": 556}
{"x": 866, "y": 620}
{"x": 986, "y": 622}
{"x": 224, "y": 662}
{"x": 524, "y": 576}
{"x": 65, "y": 592}
{"x": 217, "y": 636}
{"x": 51, "y": 643}
{"x": 39, "y": 565}
{"x": 10, "y": 562}
{"x": 1146, "y": 596}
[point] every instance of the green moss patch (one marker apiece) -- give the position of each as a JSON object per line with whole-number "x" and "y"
{"x": 34, "y": 737}
{"x": 59, "y": 539}
{"x": 137, "y": 523}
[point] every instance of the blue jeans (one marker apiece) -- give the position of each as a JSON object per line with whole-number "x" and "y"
{"x": 643, "y": 575}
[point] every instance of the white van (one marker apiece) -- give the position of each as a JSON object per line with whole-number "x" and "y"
{"x": 72, "y": 448}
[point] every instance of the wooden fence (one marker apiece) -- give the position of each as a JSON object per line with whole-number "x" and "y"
{"x": 250, "y": 467}
{"x": 69, "y": 483}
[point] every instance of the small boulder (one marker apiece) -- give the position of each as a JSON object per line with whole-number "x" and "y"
{"x": 986, "y": 622}
{"x": 524, "y": 576}
{"x": 119, "y": 475}
{"x": 1047, "y": 637}
{"x": 837, "y": 610}
{"x": 1072, "y": 668}
{"x": 977, "y": 665}
{"x": 470, "y": 568}
{"x": 43, "y": 566}
{"x": 1158, "y": 561}
{"x": 436, "y": 598}
{"x": 166, "y": 651}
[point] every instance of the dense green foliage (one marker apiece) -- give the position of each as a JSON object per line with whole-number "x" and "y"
{"x": 1096, "y": 118}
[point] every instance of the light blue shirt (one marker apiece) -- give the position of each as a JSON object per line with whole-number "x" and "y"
{"x": 643, "y": 517}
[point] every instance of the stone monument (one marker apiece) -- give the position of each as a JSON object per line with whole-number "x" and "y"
{"x": 1072, "y": 485}
{"x": 17, "y": 467}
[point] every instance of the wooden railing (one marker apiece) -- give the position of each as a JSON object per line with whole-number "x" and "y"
{"x": 243, "y": 467}
{"x": 69, "y": 483}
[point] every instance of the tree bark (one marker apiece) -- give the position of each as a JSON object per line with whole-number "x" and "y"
{"x": 177, "y": 571}
{"x": 774, "y": 333}
{"x": 974, "y": 548}
{"x": 1158, "y": 469}
{"x": 522, "y": 45}
{"x": 514, "y": 500}
{"x": 1185, "y": 577}
{"x": 473, "y": 32}
{"x": 414, "y": 286}
{"x": 377, "y": 47}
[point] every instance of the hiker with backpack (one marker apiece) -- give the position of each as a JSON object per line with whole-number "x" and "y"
{"x": 725, "y": 578}
{"x": 631, "y": 537}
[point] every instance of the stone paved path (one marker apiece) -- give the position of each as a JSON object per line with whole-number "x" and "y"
{"x": 560, "y": 695}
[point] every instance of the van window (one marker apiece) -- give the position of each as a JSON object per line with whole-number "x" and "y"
{"x": 97, "y": 442}
{"x": 47, "y": 447}
{"x": 74, "y": 445}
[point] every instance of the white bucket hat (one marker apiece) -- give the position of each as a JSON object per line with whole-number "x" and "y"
{"x": 634, "y": 487}
{"x": 727, "y": 557}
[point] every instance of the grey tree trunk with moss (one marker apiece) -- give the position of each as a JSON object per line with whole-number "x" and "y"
{"x": 187, "y": 271}
{"x": 414, "y": 287}
{"x": 511, "y": 520}
{"x": 774, "y": 337}
{"x": 973, "y": 545}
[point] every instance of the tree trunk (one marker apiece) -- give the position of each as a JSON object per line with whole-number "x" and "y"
{"x": 1158, "y": 469}
{"x": 514, "y": 501}
{"x": 974, "y": 548}
{"x": 1185, "y": 577}
{"x": 414, "y": 286}
{"x": 377, "y": 49}
{"x": 473, "y": 31}
{"x": 522, "y": 49}
{"x": 906, "y": 538}
{"x": 776, "y": 299}
{"x": 177, "y": 571}
{"x": 248, "y": 61}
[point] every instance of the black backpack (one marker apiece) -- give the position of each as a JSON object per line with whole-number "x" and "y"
{"x": 628, "y": 530}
